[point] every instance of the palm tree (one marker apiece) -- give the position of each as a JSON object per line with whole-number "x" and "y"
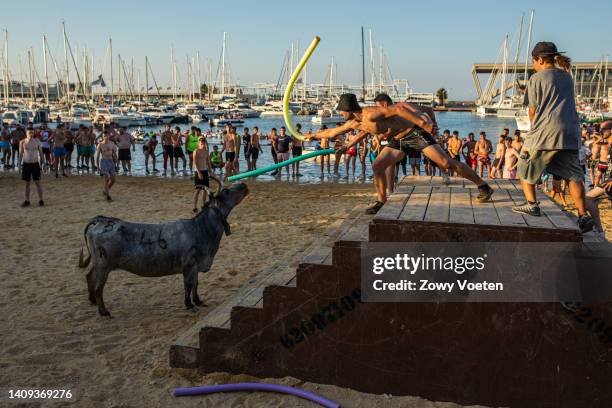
{"x": 442, "y": 95}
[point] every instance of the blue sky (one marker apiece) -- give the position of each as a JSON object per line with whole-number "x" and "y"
{"x": 432, "y": 44}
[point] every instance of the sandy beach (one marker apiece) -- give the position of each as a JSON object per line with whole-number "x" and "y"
{"x": 53, "y": 338}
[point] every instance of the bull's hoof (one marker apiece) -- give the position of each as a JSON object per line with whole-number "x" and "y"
{"x": 105, "y": 313}
{"x": 192, "y": 309}
{"x": 92, "y": 301}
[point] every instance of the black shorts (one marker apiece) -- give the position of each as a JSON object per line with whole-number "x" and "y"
{"x": 178, "y": 151}
{"x": 296, "y": 151}
{"x": 247, "y": 150}
{"x": 69, "y": 147}
{"x": 418, "y": 140}
{"x": 457, "y": 157}
{"x": 124, "y": 154}
{"x": 30, "y": 171}
{"x": 230, "y": 156}
{"x": 15, "y": 147}
{"x": 201, "y": 182}
{"x": 168, "y": 151}
{"x": 46, "y": 150}
{"x": 189, "y": 153}
{"x": 253, "y": 153}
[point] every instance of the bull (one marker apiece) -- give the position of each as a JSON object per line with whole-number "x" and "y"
{"x": 185, "y": 246}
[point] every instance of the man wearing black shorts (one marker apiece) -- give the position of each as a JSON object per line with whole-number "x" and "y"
{"x": 202, "y": 168}
{"x": 168, "y": 151}
{"x": 177, "y": 150}
{"x": 31, "y": 154}
{"x": 397, "y": 123}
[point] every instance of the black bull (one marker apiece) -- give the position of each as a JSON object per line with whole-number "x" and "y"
{"x": 185, "y": 246}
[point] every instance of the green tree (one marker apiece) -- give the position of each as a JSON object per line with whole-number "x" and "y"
{"x": 442, "y": 96}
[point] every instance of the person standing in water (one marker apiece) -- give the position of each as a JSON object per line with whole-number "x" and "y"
{"x": 202, "y": 169}
{"x": 296, "y": 151}
{"x": 282, "y": 148}
{"x": 254, "y": 149}
{"x": 148, "y": 149}
{"x": 192, "y": 144}
{"x": 32, "y": 157}
{"x": 553, "y": 141}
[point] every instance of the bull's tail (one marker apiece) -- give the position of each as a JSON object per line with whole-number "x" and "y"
{"x": 83, "y": 262}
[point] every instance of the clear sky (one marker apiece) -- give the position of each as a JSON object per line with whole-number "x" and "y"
{"x": 431, "y": 43}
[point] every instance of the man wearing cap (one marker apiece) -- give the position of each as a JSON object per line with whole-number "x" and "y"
{"x": 553, "y": 141}
{"x": 396, "y": 124}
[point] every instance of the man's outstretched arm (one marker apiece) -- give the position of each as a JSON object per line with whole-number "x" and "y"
{"x": 332, "y": 132}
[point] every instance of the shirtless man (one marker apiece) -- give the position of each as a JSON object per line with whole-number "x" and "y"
{"x": 603, "y": 142}
{"x": 69, "y": 145}
{"x": 229, "y": 147}
{"x": 5, "y": 146}
{"x": 238, "y": 143}
{"x": 254, "y": 149}
{"x": 59, "y": 151}
{"x": 483, "y": 149}
{"x": 177, "y": 149}
{"x": 202, "y": 168}
{"x": 31, "y": 154}
{"x": 168, "y": 151}
{"x": 325, "y": 158}
{"x": 517, "y": 142}
{"x": 454, "y": 145}
{"x": 297, "y": 148}
{"x": 77, "y": 140}
{"x": 470, "y": 158}
{"x": 395, "y": 123}
{"x": 106, "y": 159}
{"x": 498, "y": 160}
{"x": 124, "y": 141}
{"x": 17, "y": 136}
{"x": 148, "y": 149}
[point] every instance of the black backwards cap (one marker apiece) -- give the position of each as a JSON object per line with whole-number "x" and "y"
{"x": 545, "y": 48}
{"x": 348, "y": 103}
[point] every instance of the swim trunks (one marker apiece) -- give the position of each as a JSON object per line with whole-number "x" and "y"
{"x": 178, "y": 151}
{"x": 168, "y": 151}
{"x": 4, "y": 144}
{"x": 124, "y": 154}
{"x": 69, "y": 147}
{"x": 484, "y": 160}
{"x": 296, "y": 151}
{"x": 253, "y": 153}
{"x": 30, "y": 171}
{"x": 230, "y": 156}
{"x": 351, "y": 152}
{"x": 201, "y": 182}
{"x": 281, "y": 157}
{"x": 417, "y": 139}
{"x": 602, "y": 166}
{"x": 87, "y": 150}
{"x": 59, "y": 151}
{"x": 107, "y": 167}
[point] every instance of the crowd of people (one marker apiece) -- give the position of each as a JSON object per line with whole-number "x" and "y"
{"x": 391, "y": 136}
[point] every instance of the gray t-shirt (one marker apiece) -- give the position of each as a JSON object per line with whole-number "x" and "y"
{"x": 555, "y": 125}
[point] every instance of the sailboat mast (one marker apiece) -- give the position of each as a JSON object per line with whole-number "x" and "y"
{"x": 380, "y": 76}
{"x": 44, "y": 41}
{"x": 6, "y": 70}
{"x": 528, "y": 46}
{"x": 502, "y": 94}
{"x": 146, "y": 79}
{"x": 516, "y": 56}
{"x": 372, "y": 70}
{"x": 223, "y": 66}
{"x": 67, "y": 73}
{"x": 199, "y": 77}
{"x": 363, "y": 90}
{"x": 110, "y": 44}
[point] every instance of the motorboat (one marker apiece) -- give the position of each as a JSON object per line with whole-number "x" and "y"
{"x": 326, "y": 116}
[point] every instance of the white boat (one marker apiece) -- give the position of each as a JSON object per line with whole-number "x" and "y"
{"x": 522, "y": 120}
{"x": 196, "y": 118}
{"x": 106, "y": 116}
{"x": 225, "y": 121}
{"x": 273, "y": 111}
{"x": 326, "y": 116}
{"x": 486, "y": 110}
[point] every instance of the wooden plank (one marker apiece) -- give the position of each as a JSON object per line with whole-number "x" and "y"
{"x": 505, "y": 184}
{"x": 395, "y": 203}
{"x": 537, "y": 222}
{"x": 503, "y": 204}
{"x": 416, "y": 207}
{"x": 555, "y": 214}
{"x": 358, "y": 232}
{"x": 484, "y": 213}
{"x": 461, "y": 206}
{"x": 438, "y": 209}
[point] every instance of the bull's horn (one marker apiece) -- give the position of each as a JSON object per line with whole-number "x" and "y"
{"x": 219, "y": 184}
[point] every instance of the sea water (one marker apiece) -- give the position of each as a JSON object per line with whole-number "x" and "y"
{"x": 463, "y": 122}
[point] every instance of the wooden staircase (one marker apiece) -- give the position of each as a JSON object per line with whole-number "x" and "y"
{"x": 310, "y": 323}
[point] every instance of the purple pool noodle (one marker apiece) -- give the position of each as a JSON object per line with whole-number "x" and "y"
{"x": 211, "y": 389}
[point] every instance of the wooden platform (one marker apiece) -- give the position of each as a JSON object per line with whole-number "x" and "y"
{"x": 309, "y": 322}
